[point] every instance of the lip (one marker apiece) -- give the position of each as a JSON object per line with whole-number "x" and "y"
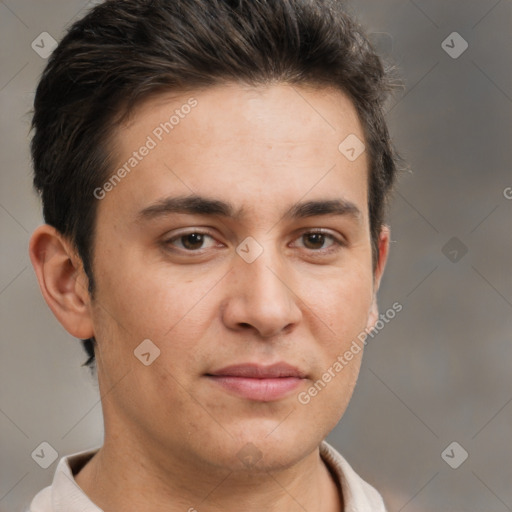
{"x": 259, "y": 382}
{"x": 259, "y": 371}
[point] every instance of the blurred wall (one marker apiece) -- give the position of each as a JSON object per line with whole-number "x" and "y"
{"x": 435, "y": 375}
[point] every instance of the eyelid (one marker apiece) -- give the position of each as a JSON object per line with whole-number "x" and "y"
{"x": 338, "y": 239}
{"x": 167, "y": 240}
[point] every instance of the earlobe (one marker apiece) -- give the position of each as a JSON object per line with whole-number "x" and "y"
{"x": 62, "y": 280}
{"x": 384, "y": 239}
{"x": 374, "y": 313}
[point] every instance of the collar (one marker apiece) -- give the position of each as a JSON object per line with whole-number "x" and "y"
{"x": 64, "y": 495}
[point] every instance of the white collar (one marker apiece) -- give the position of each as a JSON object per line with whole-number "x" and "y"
{"x": 64, "y": 495}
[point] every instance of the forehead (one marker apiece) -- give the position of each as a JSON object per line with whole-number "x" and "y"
{"x": 248, "y": 144}
{"x": 291, "y": 112}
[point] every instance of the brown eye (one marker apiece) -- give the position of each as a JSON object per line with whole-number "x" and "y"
{"x": 192, "y": 241}
{"x": 318, "y": 241}
{"x": 314, "y": 240}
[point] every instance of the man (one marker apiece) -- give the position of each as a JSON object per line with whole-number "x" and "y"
{"x": 214, "y": 176}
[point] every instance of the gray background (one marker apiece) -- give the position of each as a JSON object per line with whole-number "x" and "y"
{"x": 437, "y": 373}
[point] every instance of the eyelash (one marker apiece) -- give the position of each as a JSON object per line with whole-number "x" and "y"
{"x": 336, "y": 245}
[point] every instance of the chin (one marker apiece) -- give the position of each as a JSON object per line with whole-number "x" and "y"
{"x": 264, "y": 448}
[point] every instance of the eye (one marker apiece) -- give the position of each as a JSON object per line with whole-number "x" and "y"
{"x": 319, "y": 241}
{"x": 192, "y": 241}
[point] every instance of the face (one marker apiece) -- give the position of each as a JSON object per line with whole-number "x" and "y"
{"x": 240, "y": 238}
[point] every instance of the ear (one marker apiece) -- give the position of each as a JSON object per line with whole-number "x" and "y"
{"x": 62, "y": 280}
{"x": 384, "y": 237}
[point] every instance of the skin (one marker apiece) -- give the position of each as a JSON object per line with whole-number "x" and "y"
{"x": 172, "y": 436}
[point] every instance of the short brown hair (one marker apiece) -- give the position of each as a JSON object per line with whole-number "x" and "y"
{"x": 124, "y": 51}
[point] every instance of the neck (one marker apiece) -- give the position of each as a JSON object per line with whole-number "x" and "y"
{"x": 117, "y": 478}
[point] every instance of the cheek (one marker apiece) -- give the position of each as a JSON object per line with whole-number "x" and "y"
{"x": 346, "y": 304}
{"x": 137, "y": 300}
{"x": 342, "y": 302}
{"x": 145, "y": 296}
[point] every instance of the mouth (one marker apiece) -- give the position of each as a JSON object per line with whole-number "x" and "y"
{"x": 258, "y": 382}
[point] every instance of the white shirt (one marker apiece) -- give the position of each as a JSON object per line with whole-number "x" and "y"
{"x": 64, "y": 495}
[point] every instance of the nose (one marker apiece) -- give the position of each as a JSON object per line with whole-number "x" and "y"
{"x": 261, "y": 297}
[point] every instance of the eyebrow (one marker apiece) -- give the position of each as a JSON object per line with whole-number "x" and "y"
{"x": 198, "y": 205}
{"x": 324, "y": 207}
